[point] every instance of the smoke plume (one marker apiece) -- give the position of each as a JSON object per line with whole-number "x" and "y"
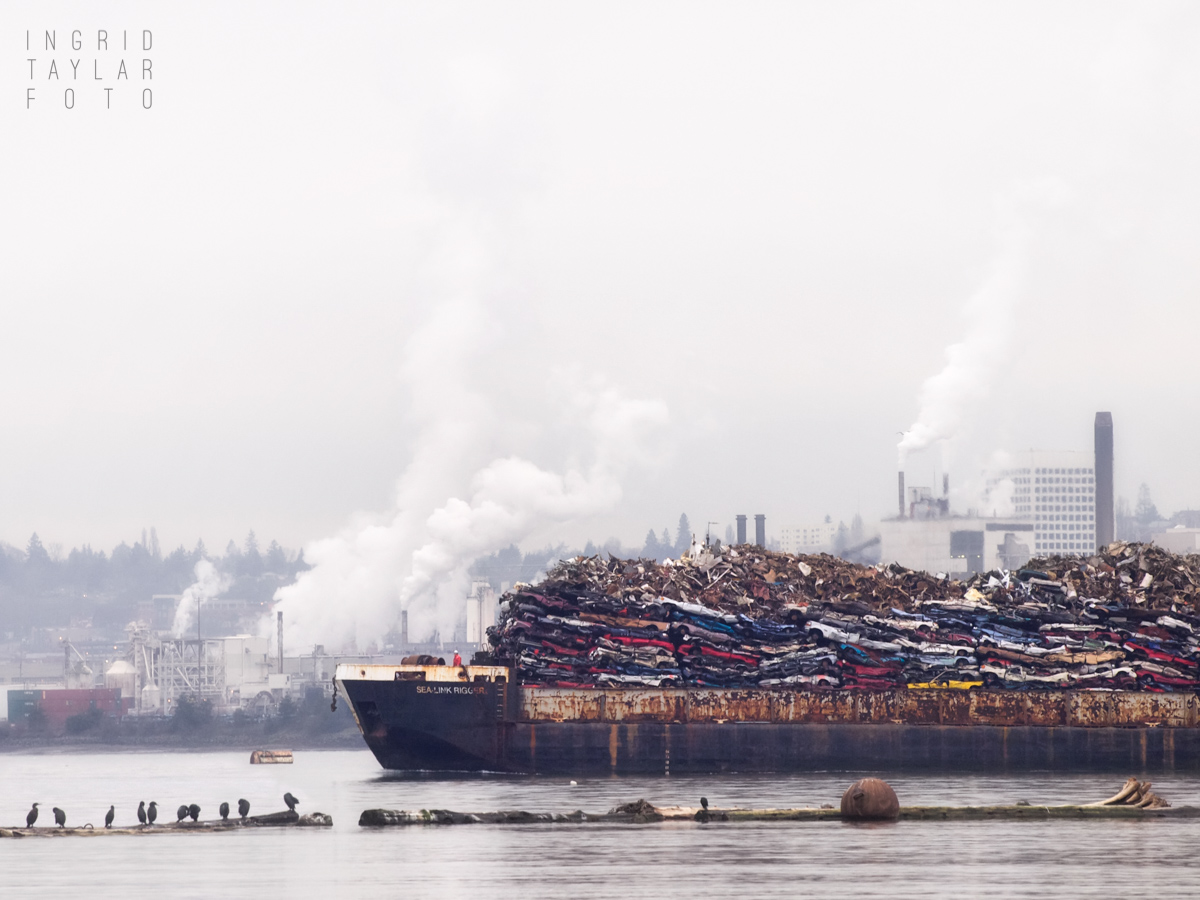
{"x": 209, "y": 584}
{"x": 448, "y": 512}
{"x": 974, "y": 363}
{"x": 469, "y": 486}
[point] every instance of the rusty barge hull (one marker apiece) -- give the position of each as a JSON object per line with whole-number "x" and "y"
{"x": 475, "y": 719}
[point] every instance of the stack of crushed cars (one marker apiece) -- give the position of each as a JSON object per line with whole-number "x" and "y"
{"x": 743, "y": 617}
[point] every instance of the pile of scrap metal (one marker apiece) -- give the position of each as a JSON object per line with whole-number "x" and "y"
{"x": 1127, "y": 618}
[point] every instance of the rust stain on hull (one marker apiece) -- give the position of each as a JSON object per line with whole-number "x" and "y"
{"x": 501, "y": 726}
{"x": 913, "y": 707}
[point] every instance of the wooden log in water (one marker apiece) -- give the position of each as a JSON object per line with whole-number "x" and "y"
{"x": 271, "y": 757}
{"x": 377, "y": 818}
{"x": 383, "y": 817}
{"x": 286, "y": 819}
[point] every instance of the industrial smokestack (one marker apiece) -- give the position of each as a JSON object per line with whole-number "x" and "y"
{"x": 279, "y": 625}
{"x": 946, "y": 485}
{"x": 1105, "y": 521}
{"x": 760, "y": 530}
{"x": 741, "y": 529}
{"x": 901, "y": 495}
{"x": 404, "y": 628}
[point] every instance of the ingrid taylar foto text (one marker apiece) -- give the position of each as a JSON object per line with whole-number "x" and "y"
{"x": 110, "y": 71}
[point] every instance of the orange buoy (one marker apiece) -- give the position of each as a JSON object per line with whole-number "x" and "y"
{"x": 870, "y": 798}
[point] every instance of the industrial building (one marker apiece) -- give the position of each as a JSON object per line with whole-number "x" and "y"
{"x": 232, "y": 672}
{"x": 1179, "y": 539}
{"x": 1047, "y": 502}
{"x": 155, "y": 668}
{"x": 813, "y": 538}
{"x": 956, "y": 545}
{"x": 1057, "y": 491}
{"x": 481, "y": 613}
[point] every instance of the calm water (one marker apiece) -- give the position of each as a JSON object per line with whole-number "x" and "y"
{"x": 917, "y": 859}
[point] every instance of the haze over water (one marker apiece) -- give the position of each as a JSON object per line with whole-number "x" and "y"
{"x": 907, "y": 859}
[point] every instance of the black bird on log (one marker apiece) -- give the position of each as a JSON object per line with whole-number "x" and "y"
{"x": 243, "y": 808}
{"x": 142, "y": 812}
{"x": 194, "y": 811}
{"x": 152, "y": 812}
{"x": 224, "y": 812}
{"x": 60, "y": 817}
{"x": 704, "y": 802}
{"x": 31, "y": 817}
{"x": 290, "y": 801}
{"x": 181, "y": 813}
{"x": 109, "y": 816}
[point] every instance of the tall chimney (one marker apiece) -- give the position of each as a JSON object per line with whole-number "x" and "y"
{"x": 1105, "y": 521}
{"x": 946, "y": 485}
{"x": 741, "y": 529}
{"x": 760, "y": 530}
{"x": 901, "y": 494}
{"x": 404, "y": 628}
{"x": 279, "y": 626}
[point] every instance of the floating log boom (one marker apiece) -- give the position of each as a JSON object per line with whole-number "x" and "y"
{"x": 285, "y": 819}
{"x": 378, "y": 818}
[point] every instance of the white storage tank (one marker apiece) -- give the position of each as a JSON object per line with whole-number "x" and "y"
{"x": 121, "y": 675}
{"x": 151, "y": 698}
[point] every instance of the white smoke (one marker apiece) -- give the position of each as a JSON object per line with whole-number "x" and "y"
{"x": 448, "y": 511}
{"x": 209, "y": 584}
{"x": 465, "y": 491}
{"x": 974, "y": 363}
{"x": 971, "y": 364}
{"x": 998, "y": 498}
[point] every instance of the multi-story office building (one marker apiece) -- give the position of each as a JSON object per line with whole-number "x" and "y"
{"x": 808, "y": 538}
{"x": 1057, "y": 491}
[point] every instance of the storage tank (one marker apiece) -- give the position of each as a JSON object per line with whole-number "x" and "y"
{"x": 123, "y": 677}
{"x": 151, "y": 698}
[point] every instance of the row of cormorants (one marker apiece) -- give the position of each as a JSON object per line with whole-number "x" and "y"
{"x": 147, "y": 814}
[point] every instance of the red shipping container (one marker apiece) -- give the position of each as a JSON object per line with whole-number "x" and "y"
{"x": 58, "y": 705}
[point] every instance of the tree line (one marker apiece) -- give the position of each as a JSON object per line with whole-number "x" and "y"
{"x": 42, "y": 587}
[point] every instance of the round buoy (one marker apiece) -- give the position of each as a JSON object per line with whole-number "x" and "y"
{"x": 870, "y": 798}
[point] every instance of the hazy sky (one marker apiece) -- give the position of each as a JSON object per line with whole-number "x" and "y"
{"x": 768, "y": 221}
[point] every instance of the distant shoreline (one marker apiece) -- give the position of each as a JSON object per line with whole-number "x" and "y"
{"x": 313, "y": 732}
{"x": 51, "y": 746}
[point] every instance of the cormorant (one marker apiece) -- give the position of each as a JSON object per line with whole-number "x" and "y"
{"x": 194, "y": 811}
{"x": 243, "y": 808}
{"x": 32, "y": 817}
{"x": 60, "y": 817}
{"x": 224, "y": 812}
{"x": 290, "y": 801}
{"x": 142, "y": 812}
{"x": 181, "y": 814}
{"x": 704, "y": 802}
{"x": 152, "y": 812}
{"x": 109, "y": 816}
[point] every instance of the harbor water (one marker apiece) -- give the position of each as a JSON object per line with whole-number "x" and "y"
{"x": 1105, "y": 858}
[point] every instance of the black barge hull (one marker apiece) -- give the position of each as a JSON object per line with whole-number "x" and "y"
{"x": 485, "y": 723}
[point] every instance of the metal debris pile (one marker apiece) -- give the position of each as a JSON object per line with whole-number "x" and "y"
{"x": 741, "y": 616}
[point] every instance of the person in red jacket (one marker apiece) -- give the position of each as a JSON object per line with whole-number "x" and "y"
{"x": 457, "y": 659}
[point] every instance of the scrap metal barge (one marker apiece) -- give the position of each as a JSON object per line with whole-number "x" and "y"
{"x": 478, "y": 718}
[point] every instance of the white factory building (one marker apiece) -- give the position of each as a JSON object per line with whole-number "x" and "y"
{"x": 1041, "y": 503}
{"x": 1179, "y": 540}
{"x": 1057, "y": 492}
{"x": 956, "y": 545}
{"x": 813, "y": 538}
